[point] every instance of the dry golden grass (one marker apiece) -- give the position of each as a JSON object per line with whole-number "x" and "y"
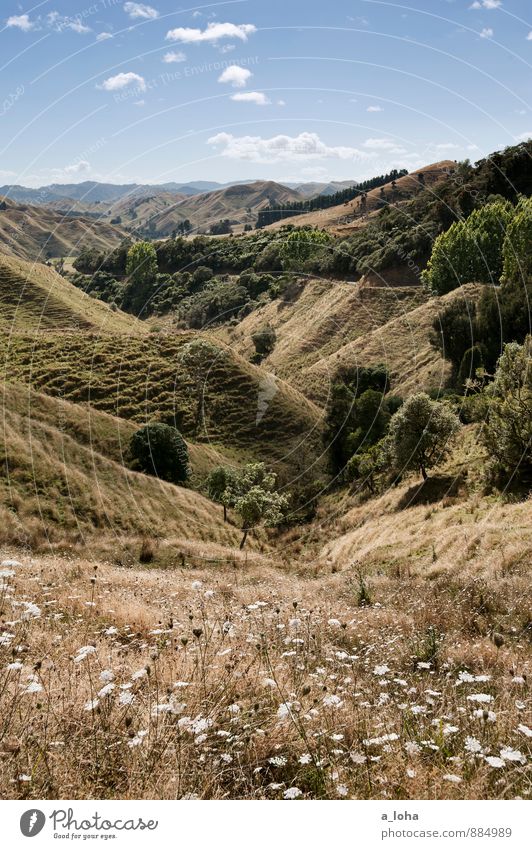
{"x": 394, "y": 665}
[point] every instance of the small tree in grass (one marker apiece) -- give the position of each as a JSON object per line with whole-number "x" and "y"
{"x": 420, "y": 433}
{"x": 220, "y": 479}
{"x": 159, "y": 449}
{"x": 252, "y": 494}
{"x": 198, "y": 357}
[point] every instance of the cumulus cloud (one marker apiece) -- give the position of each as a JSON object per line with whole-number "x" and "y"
{"x": 103, "y": 36}
{"x": 213, "y": 32}
{"x": 251, "y": 97}
{"x": 529, "y": 36}
{"x": 524, "y": 136}
{"x": 374, "y": 109}
{"x": 20, "y": 22}
{"x": 281, "y": 148}
{"x": 80, "y": 167}
{"x": 486, "y": 4}
{"x": 487, "y": 32}
{"x": 384, "y": 144}
{"x": 140, "y": 10}
{"x": 124, "y": 80}
{"x": 174, "y": 56}
{"x": 236, "y": 76}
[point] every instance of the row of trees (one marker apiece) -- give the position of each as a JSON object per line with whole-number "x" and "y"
{"x": 280, "y": 211}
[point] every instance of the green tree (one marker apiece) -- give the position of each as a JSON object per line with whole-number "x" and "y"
{"x": 301, "y": 245}
{"x": 507, "y": 433}
{"x": 197, "y": 357}
{"x": 470, "y": 251}
{"x": 159, "y": 449}
{"x": 517, "y": 252}
{"x": 220, "y": 479}
{"x": 420, "y": 433}
{"x": 141, "y": 269}
{"x": 252, "y": 494}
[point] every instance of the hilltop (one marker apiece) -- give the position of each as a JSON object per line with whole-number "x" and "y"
{"x": 344, "y": 219}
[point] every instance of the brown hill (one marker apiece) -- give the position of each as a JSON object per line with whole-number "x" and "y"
{"x": 343, "y": 219}
{"x": 32, "y": 232}
{"x": 239, "y": 204}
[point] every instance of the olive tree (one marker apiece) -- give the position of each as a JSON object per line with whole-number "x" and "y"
{"x": 420, "y": 433}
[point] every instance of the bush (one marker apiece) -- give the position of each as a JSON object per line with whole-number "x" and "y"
{"x": 264, "y": 340}
{"x": 508, "y": 430}
{"x": 420, "y": 433}
{"x": 160, "y": 450}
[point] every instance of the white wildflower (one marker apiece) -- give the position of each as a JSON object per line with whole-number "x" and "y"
{"x": 454, "y": 779}
{"x": 483, "y": 698}
{"x": 509, "y": 754}
{"x": 381, "y": 670}
{"x": 332, "y": 701}
{"x": 496, "y": 763}
{"x": 472, "y": 745}
{"x": 137, "y": 740}
{"x": 92, "y": 704}
{"x": 292, "y": 793}
{"x": 524, "y": 729}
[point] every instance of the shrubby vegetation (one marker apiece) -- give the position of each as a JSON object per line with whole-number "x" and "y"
{"x": 160, "y": 450}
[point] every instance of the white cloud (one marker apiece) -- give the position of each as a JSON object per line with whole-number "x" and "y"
{"x": 281, "y": 148}
{"x": 80, "y": 167}
{"x": 76, "y": 26}
{"x": 124, "y": 80}
{"x": 236, "y": 76}
{"x": 486, "y": 4}
{"x": 487, "y": 32}
{"x": 103, "y": 36}
{"x": 214, "y": 32}
{"x": 383, "y": 144}
{"x": 374, "y": 109}
{"x": 20, "y": 22}
{"x": 529, "y": 36}
{"x": 140, "y": 10}
{"x": 524, "y": 136}
{"x": 174, "y": 56}
{"x": 447, "y": 146}
{"x": 281, "y": 103}
{"x": 251, "y": 97}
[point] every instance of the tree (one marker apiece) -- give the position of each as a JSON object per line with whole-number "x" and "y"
{"x": 141, "y": 269}
{"x": 301, "y": 245}
{"x": 420, "y": 433}
{"x": 159, "y": 449}
{"x": 220, "y": 479}
{"x": 252, "y": 494}
{"x": 471, "y": 250}
{"x": 517, "y": 255}
{"x": 264, "y": 340}
{"x": 507, "y": 433}
{"x": 198, "y": 357}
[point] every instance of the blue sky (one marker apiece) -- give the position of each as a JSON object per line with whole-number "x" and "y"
{"x": 272, "y": 89}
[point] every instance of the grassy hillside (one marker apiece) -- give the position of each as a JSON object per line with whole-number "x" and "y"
{"x": 238, "y": 203}
{"x": 33, "y": 297}
{"x": 344, "y": 219}
{"x": 322, "y": 318}
{"x": 64, "y": 478}
{"x": 36, "y": 232}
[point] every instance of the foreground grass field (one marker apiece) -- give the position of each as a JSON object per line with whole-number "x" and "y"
{"x": 348, "y": 675}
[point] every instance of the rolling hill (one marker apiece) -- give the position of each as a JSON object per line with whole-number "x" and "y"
{"x": 39, "y": 232}
{"x": 344, "y": 219}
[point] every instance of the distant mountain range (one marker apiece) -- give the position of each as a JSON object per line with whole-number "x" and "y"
{"x": 93, "y": 192}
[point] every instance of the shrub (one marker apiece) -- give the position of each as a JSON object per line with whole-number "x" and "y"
{"x": 420, "y": 433}
{"x": 160, "y": 450}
